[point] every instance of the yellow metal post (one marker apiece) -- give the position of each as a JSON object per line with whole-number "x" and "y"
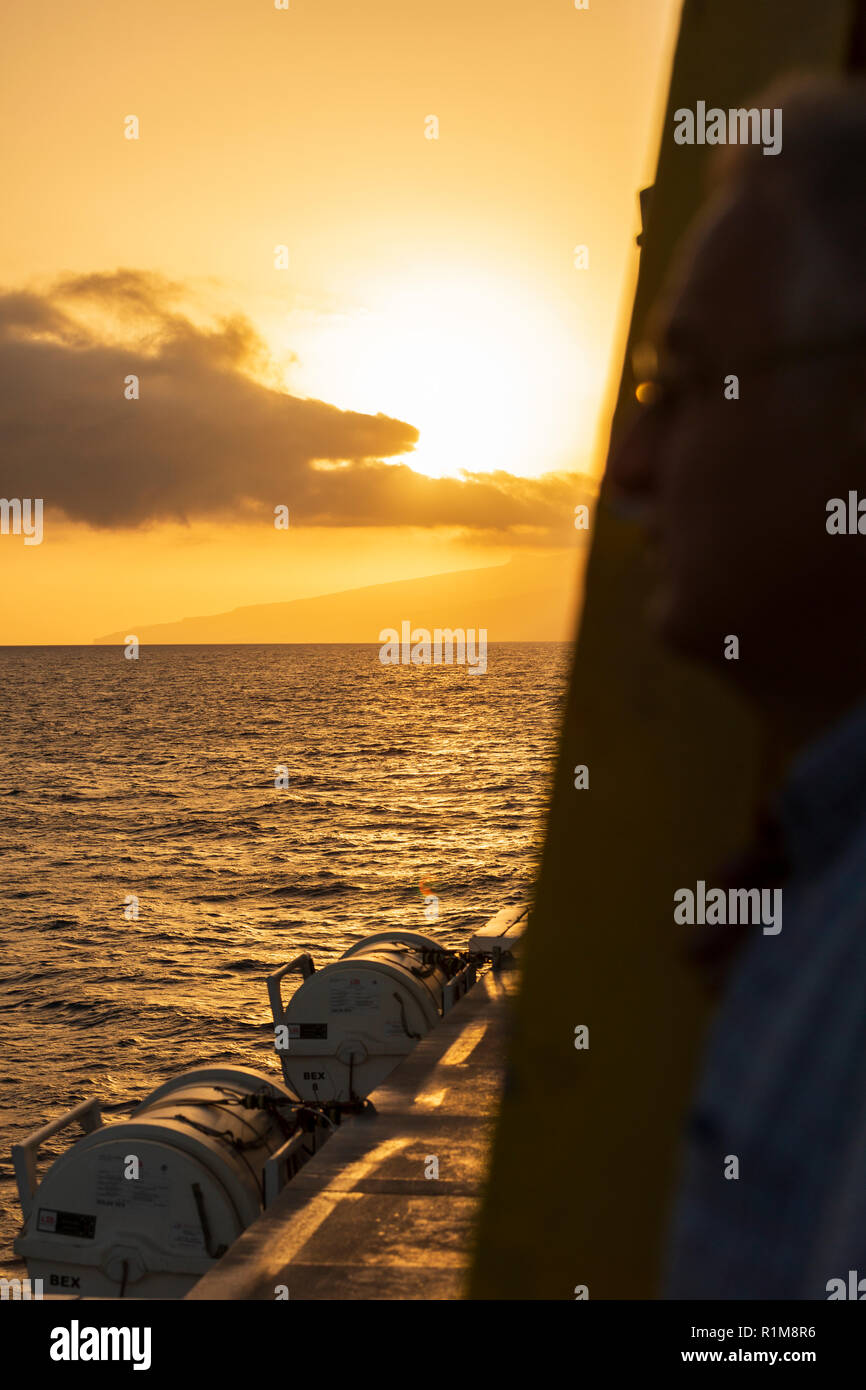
{"x": 585, "y": 1156}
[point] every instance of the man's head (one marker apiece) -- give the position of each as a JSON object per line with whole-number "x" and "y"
{"x": 771, "y": 289}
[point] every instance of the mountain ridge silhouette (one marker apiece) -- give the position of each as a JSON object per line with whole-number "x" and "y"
{"x": 521, "y": 600}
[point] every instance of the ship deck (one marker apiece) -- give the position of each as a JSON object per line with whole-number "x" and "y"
{"x": 361, "y": 1220}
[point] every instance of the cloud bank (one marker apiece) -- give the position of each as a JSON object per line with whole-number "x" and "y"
{"x": 209, "y": 437}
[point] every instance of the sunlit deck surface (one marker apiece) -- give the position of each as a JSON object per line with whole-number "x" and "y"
{"x": 361, "y": 1221}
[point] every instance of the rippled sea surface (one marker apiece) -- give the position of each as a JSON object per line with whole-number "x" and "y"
{"x": 155, "y": 778}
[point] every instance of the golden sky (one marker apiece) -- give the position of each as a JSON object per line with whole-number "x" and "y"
{"x": 430, "y": 317}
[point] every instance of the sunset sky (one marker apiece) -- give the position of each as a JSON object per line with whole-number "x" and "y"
{"x": 405, "y": 386}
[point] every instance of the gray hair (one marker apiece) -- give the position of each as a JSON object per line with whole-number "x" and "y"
{"x": 817, "y": 184}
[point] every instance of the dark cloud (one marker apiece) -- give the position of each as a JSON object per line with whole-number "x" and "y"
{"x": 206, "y": 438}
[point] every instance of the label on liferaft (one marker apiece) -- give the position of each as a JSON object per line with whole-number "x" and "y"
{"x": 66, "y": 1223}
{"x": 353, "y": 994}
{"x": 299, "y": 1031}
{"x": 185, "y": 1237}
{"x": 114, "y": 1190}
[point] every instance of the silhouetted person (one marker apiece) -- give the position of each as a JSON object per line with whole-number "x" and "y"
{"x": 771, "y": 287}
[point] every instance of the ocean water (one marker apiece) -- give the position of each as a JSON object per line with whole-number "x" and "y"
{"x": 155, "y": 778}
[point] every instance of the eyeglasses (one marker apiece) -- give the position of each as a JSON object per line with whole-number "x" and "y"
{"x": 664, "y": 378}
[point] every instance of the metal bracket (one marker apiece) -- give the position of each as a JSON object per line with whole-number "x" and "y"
{"x": 25, "y": 1154}
{"x": 302, "y": 963}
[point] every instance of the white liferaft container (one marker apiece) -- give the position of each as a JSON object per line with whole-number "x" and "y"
{"x": 349, "y": 1024}
{"x": 95, "y": 1229}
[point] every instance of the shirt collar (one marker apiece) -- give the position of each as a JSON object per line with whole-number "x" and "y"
{"x": 823, "y": 800}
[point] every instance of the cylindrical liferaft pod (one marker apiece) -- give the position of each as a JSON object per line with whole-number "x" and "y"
{"x": 349, "y": 1024}
{"x": 144, "y": 1207}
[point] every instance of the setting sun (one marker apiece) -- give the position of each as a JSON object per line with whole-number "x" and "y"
{"x": 491, "y": 374}
{"x": 291, "y": 268}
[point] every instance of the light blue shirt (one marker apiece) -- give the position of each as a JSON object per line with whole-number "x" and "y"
{"x": 783, "y": 1085}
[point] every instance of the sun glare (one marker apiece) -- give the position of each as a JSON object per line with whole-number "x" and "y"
{"x": 490, "y": 376}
